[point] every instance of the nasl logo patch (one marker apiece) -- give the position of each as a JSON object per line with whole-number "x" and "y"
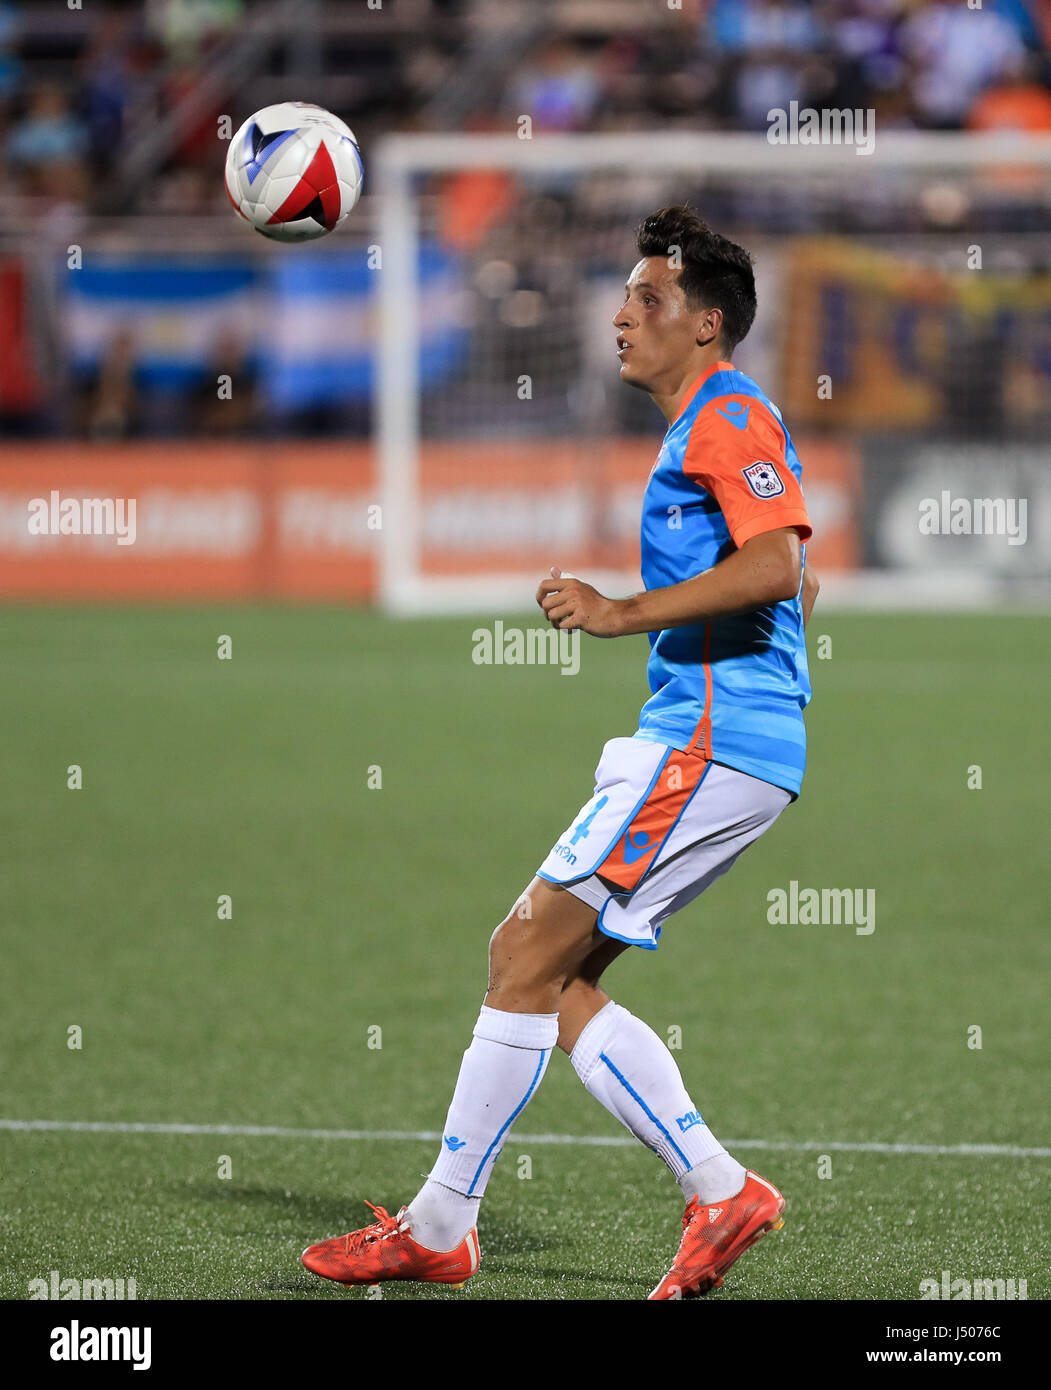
{"x": 763, "y": 479}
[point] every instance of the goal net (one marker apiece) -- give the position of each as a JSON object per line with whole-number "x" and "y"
{"x": 904, "y": 329}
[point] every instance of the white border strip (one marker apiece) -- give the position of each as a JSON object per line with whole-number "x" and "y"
{"x": 594, "y": 1141}
{"x": 875, "y": 591}
{"x": 704, "y": 152}
{"x": 396, "y": 395}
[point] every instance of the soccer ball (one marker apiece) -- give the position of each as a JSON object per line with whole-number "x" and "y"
{"x": 294, "y": 171}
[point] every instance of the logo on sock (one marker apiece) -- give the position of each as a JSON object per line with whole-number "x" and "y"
{"x": 452, "y": 1143}
{"x": 688, "y": 1120}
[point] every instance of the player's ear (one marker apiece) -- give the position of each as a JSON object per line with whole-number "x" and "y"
{"x": 709, "y": 326}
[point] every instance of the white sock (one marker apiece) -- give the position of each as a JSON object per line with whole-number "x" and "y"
{"x": 713, "y": 1179}
{"x": 500, "y": 1072}
{"x": 439, "y": 1217}
{"x": 626, "y": 1066}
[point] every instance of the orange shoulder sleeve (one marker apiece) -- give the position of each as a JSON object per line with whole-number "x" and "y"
{"x": 736, "y": 451}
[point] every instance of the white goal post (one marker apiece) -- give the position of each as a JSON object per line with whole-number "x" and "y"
{"x": 399, "y": 164}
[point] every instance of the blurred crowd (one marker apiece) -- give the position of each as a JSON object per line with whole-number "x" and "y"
{"x": 86, "y": 92}
{"x": 77, "y": 87}
{"x": 929, "y": 64}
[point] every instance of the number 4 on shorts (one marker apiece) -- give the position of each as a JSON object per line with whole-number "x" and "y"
{"x": 584, "y": 827}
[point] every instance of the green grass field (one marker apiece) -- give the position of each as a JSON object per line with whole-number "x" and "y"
{"x": 354, "y": 908}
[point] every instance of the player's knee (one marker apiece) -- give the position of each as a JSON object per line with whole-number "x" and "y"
{"x": 513, "y": 939}
{"x": 520, "y": 955}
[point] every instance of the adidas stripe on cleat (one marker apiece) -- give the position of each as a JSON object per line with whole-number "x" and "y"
{"x": 715, "y": 1236}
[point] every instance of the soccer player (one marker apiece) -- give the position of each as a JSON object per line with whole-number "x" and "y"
{"x": 718, "y": 754}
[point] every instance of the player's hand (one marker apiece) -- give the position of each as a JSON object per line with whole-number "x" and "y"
{"x": 569, "y": 603}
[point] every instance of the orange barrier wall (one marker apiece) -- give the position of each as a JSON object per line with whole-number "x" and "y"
{"x": 212, "y": 521}
{"x": 297, "y": 521}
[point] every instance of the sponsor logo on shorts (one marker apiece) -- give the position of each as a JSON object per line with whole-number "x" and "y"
{"x": 636, "y": 848}
{"x": 564, "y": 852}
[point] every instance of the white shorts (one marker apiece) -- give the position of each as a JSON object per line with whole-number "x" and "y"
{"x": 661, "y": 826}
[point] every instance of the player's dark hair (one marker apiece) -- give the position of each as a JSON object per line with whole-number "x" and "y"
{"x": 716, "y": 272}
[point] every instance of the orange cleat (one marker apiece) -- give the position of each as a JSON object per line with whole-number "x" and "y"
{"x": 713, "y": 1237}
{"x": 386, "y": 1250}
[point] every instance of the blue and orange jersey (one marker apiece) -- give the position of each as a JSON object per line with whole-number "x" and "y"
{"x": 732, "y": 689}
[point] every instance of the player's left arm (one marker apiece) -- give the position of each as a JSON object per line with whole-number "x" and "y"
{"x": 744, "y": 468}
{"x": 765, "y": 570}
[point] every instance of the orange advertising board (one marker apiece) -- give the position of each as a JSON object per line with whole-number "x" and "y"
{"x": 297, "y": 521}
{"x": 210, "y": 521}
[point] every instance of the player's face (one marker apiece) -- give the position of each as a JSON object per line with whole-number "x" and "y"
{"x": 656, "y": 332}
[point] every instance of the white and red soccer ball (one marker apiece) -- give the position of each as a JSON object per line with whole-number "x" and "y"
{"x": 294, "y": 171}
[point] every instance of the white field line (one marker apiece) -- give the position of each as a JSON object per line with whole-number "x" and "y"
{"x": 594, "y": 1141}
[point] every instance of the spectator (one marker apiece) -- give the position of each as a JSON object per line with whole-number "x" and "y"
{"x": 11, "y": 72}
{"x": 866, "y": 32}
{"x": 747, "y": 27}
{"x": 235, "y": 413}
{"x": 558, "y": 89}
{"x": 954, "y": 52}
{"x": 1019, "y": 102}
{"x": 47, "y": 146}
{"x": 187, "y": 27}
{"x": 106, "y": 89}
{"x": 111, "y": 404}
{"x": 772, "y": 41}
